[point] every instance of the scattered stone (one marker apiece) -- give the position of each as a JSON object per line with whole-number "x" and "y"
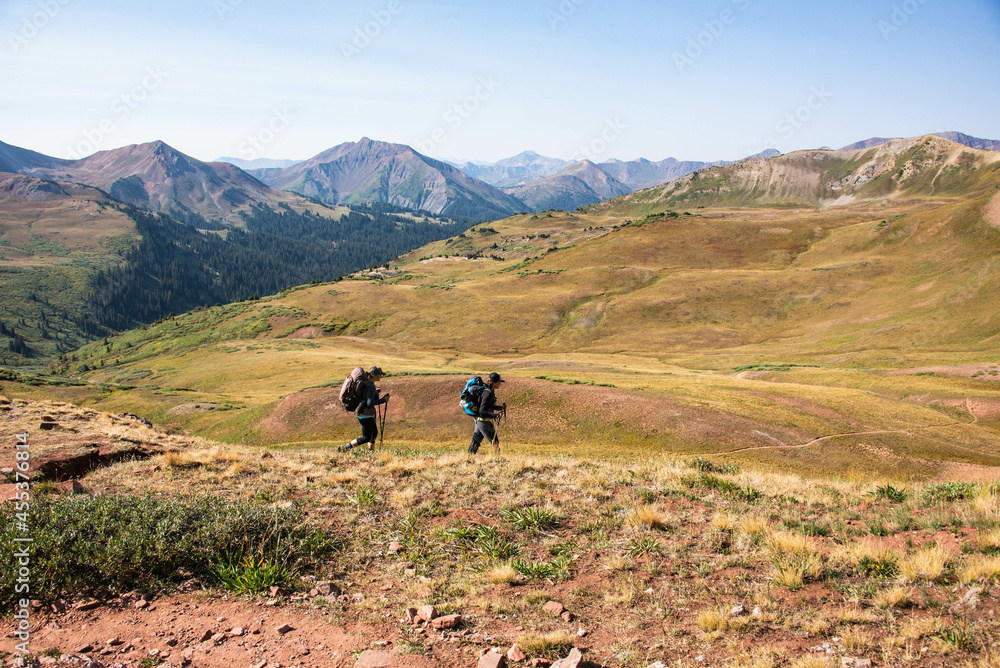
{"x": 492, "y": 659}
{"x": 515, "y": 654}
{"x": 357, "y": 598}
{"x": 327, "y": 589}
{"x": 757, "y": 612}
{"x": 848, "y": 662}
{"x": 284, "y": 628}
{"x": 88, "y": 604}
{"x": 967, "y": 603}
{"x": 207, "y": 635}
{"x": 410, "y": 616}
{"x": 178, "y": 660}
{"x": 277, "y": 592}
{"x": 189, "y": 585}
{"x": 114, "y": 642}
{"x": 374, "y": 658}
{"x": 140, "y": 604}
{"x": 395, "y": 547}
{"x": 553, "y": 608}
{"x": 567, "y": 616}
{"x": 236, "y": 632}
{"x": 83, "y": 649}
{"x": 446, "y": 622}
{"x": 218, "y": 637}
{"x": 581, "y": 632}
{"x": 426, "y": 613}
{"x": 271, "y": 602}
{"x": 738, "y": 611}
{"x": 574, "y": 660}
{"x": 170, "y": 642}
{"x": 260, "y": 664}
{"x": 539, "y": 662}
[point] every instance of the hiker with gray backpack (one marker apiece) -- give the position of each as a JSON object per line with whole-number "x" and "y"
{"x": 358, "y": 392}
{"x": 479, "y": 401}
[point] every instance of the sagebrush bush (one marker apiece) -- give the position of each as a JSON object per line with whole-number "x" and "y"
{"x": 113, "y": 544}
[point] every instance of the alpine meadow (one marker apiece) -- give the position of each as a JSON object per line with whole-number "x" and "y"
{"x": 734, "y": 411}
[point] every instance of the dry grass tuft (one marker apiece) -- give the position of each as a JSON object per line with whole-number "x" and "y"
{"x": 752, "y": 525}
{"x": 651, "y": 517}
{"x": 794, "y": 558}
{"x": 812, "y": 661}
{"x": 724, "y": 521}
{"x": 988, "y": 540}
{"x": 895, "y": 597}
{"x": 926, "y": 565}
{"x": 712, "y": 620}
{"x": 544, "y": 643}
{"x": 503, "y": 574}
{"x": 980, "y": 568}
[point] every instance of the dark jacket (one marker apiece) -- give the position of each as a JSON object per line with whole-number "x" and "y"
{"x": 369, "y": 399}
{"x": 487, "y": 404}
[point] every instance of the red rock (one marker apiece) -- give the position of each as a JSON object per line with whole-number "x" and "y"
{"x": 574, "y": 660}
{"x": 492, "y": 660}
{"x": 567, "y": 616}
{"x": 553, "y": 608}
{"x": 515, "y": 654}
{"x": 327, "y": 589}
{"x": 410, "y": 615}
{"x": 88, "y": 604}
{"x": 140, "y": 605}
{"x": 373, "y": 658}
{"x": 207, "y": 635}
{"x": 426, "y": 613}
{"x": 446, "y": 622}
{"x": 395, "y": 548}
{"x": 540, "y": 663}
{"x": 285, "y": 628}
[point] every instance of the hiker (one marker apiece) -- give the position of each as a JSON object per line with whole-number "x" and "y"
{"x": 369, "y": 399}
{"x": 487, "y": 413}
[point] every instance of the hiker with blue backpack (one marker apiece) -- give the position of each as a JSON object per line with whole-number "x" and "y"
{"x": 360, "y": 393}
{"x": 479, "y": 401}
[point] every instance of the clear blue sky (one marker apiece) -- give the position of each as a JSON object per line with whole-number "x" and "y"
{"x": 486, "y": 80}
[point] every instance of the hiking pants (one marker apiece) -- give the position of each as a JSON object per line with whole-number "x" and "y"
{"x": 369, "y": 429}
{"x": 484, "y": 430}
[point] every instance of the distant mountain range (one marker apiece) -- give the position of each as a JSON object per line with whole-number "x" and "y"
{"x": 160, "y": 178}
{"x": 258, "y": 163}
{"x": 957, "y": 137}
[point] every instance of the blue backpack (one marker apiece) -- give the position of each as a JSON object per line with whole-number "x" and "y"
{"x": 468, "y": 398}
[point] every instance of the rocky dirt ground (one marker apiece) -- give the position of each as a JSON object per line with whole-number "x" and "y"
{"x": 676, "y": 563}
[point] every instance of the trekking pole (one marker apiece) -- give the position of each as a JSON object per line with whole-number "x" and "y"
{"x": 381, "y": 431}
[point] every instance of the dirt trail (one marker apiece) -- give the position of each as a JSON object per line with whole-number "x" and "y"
{"x": 246, "y": 633}
{"x": 906, "y": 432}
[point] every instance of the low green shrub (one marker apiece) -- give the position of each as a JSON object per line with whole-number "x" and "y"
{"x": 109, "y": 544}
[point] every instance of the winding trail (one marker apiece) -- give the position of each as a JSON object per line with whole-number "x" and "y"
{"x": 906, "y": 432}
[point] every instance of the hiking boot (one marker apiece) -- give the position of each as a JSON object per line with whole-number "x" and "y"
{"x": 371, "y": 447}
{"x": 343, "y": 448}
